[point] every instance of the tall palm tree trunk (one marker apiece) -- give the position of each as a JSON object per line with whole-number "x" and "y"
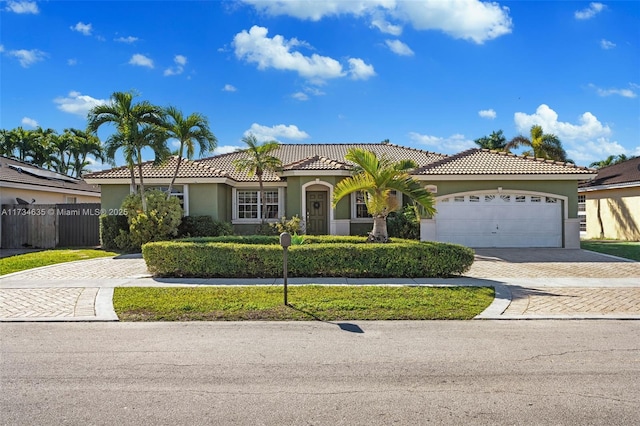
{"x": 379, "y": 233}
{"x": 263, "y": 200}
{"x": 173, "y": 179}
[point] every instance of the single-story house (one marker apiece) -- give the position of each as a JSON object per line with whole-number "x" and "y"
{"x": 610, "y": 202}
{"x": 483, "y": 198}
{"x": 24, "y": 184}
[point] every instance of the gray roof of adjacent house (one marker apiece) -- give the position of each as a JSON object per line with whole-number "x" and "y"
{"x": 626, "y": 173}
{"x": 330, "y": 157}
{"x": 13, "y": 171}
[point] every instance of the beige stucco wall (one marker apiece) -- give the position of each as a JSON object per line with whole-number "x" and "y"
{"x": 8, "y": 196}
{"x": 619, "y": 212}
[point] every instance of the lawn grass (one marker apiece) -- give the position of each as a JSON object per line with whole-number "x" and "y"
{"x": 25, "y": 261}
{"x": 307, "y": 302}
{"x": 626, "y": 249}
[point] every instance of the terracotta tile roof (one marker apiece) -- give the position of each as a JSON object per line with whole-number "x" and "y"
{"x": 318, "y": 157}
{"x": 486, "y": 162}
{"x": 15, "y": 171}
{"x": 293, "y": 157}
{"x": 627, "y": 172}
{"x": 188, "y": 168}
{"x": 310, "y": 157}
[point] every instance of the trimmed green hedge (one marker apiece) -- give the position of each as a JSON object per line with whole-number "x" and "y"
{"x": 325, "y": 256}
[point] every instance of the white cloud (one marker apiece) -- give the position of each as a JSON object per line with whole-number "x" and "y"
{"x": 590, "y": 151}
{"x": 588, "y": 128}
{"x": 359, "y": 70}
{"x": 229, "y": 88}
{"x": 71, "y": 62}
{"x": 226, "y": 149}
{"x": 585, "y": 142}
{"x": 1, "y": 48}
{"x": 82, "y": 28}
{"x": 452, "y": 144}
{"x": 265, "y": 133}
{"x": 301, "y": 96}
{"x": 28, "y": 57}
{"x": 625, "y": 93}
{"x": 606, "y": 44}
{"x": 464, "y": 19}
{"x": 23, "y": 7}
{"x": 591, "y": 11}
{"x": 473, "y": 20}
{"x": 128, "y": 40}
{"x": 180, "y": 61}
{"x": 141, "y": 61}
{"x": 386, "y": 27}
{"x": 487, "y": 113}
{"x": 255, "y": 47}
{"x": 77, "y": 103}
{"x": 30, "y": 122}
{"x": 399, "y": 48}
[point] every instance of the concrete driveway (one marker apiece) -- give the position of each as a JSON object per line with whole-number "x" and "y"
{"x": 530, "y": 284}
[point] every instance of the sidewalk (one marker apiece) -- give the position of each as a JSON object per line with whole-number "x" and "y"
{"x": 529, "y": 284}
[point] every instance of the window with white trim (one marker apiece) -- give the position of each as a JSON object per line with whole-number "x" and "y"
{"x": 582, "y": 212}
{"x": 177, "y": 191}
{"x": 359, "y": 205}
{"x": 70, "y": 200}
{"x": 248, "y": 204}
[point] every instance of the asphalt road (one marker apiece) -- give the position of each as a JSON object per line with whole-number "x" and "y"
{"x": 313, "y": 373}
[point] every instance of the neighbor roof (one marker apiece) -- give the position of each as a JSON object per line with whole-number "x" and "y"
{"x": 13, "y": 171}
{"x": 625, "y": 173}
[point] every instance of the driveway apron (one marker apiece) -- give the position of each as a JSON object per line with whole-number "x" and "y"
{"x": 529, "y": 283}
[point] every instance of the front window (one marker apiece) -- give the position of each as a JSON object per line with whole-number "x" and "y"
{"x": 360, "y": 206}
{"x": 249, "y": 204}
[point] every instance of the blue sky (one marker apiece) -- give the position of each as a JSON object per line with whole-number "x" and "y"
{"x": 433, "y": 75}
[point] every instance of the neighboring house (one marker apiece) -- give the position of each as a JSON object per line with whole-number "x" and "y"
{"x": 612, "y": 202}
{"x": 484, "y": 198}
{"x": 24, "y": 183}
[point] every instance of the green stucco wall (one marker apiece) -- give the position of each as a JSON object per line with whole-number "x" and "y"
{"x": 210, "y": 199}
{"x": 568, "y": 189}
{"x": 113, "y": 196}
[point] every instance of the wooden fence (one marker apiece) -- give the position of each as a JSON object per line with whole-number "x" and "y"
{"x": 50, "y": 225}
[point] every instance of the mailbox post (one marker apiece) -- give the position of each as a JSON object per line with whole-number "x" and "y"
{"x": 285, "y": 242}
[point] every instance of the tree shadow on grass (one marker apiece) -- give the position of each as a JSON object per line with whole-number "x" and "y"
{"x": 344, "y": 326}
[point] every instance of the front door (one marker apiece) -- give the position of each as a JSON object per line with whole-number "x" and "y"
{"x": 317, "y": 213}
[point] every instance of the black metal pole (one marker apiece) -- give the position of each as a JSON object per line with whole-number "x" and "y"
{"x": 285, "y": 276}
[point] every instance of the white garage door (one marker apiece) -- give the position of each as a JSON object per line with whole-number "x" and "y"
{"x": 500, "y": 220}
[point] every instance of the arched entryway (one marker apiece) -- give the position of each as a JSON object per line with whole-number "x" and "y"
{"x": 316, "y": 207}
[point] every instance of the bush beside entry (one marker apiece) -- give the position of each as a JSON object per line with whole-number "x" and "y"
{"x": 319, "y": 256}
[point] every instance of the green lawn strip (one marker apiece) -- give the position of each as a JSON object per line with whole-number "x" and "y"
{"x": 626, "y": 249}
{"x": 25, "y": 261}
{"x": 308, "y": 302}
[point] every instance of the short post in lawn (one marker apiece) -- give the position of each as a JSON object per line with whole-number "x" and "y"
{"x": 285, "y": 242}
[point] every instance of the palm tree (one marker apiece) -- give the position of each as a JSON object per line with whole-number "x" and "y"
{"x": 42, "y": 150}
{"x": 7, "y": 143}
{"x": 22, "y": 141}
{"x": 195, "y": 128}
{"x": 127, "y": 117}
{"x": 377, "y": 177}
{"x": 147, "y": 136}
{"x": 258, "y": 160}
{"x": 84, "y": 144}
{"x": 543, "y": 145}
{"x": 610, "y": 161}
{"x": 495, "y": 141}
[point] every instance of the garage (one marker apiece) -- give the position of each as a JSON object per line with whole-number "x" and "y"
{"x": 500, "y": 220}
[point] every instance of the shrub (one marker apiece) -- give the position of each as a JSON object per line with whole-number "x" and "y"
{"x": 203, "y": 226}
{"x": 110, "y": 227}
{"x": 292, "y": 226}
{"x": 159, "y": 222}
{"x": 328, "y": 256}
{"x": 404, "y": 223}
